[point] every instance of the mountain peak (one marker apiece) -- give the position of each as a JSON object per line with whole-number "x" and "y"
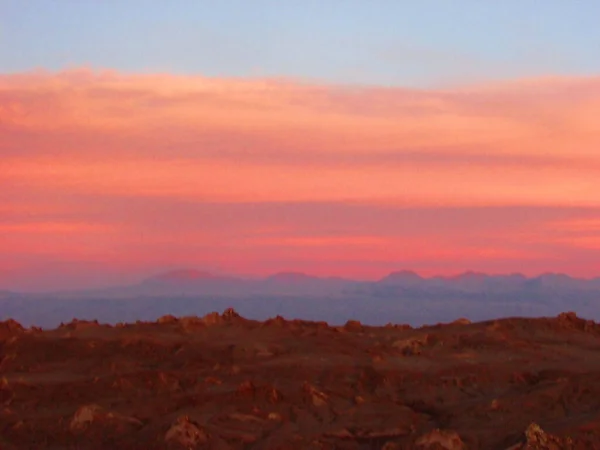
{"x": 290, "y": 277}
{"x": 554, "y": 275}
{"x": 182, "y": 275}
{"x": 471, "y": 275}
{"x": 402, "y": 275}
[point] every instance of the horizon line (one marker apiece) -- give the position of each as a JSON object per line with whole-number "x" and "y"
{"x": 239, "y": 275}
{"x": 246, "y": 277}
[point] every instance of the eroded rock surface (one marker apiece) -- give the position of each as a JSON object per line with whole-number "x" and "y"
{"x": 225, "y": 382}
{"x": 440, "y": 440}
{"x": 185, "y": 434}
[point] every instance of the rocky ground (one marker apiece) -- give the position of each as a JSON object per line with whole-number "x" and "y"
{"x": 224, "y": 382}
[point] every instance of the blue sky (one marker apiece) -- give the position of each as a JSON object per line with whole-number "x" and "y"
{"x": 389, "y": 42}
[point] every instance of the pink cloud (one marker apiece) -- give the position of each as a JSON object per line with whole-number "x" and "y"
{"x": 151, "y": 170}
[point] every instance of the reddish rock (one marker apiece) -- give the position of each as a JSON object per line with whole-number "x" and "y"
{"x": 214, "y": 318}
{"x": 277, "y": 321}
{"x": 193, "y": 323}
{"x": 86, "y": 415}
{"x": 230, "y": 314}
{"x": 538, "y": 439}
{"x": 316, "y": 397}
{"x": 461, "y": 321}
{"x": 77, "y": 324}
{"x": 410, "y": 347}
{"x": 246, "y": 388}
{"x": 11, "y": 326}
{"x": 440, "y": 440}
{"x": 91, "y": 414}
{"x": 354, "y": 326}
{"x": 273, "y": 395}
{"x": 167, "y": 319}
{"x": 186, "y": 434}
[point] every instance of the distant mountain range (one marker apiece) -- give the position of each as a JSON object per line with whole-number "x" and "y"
{"x": 402, "y": 296}
{"x": 189, "y": 282}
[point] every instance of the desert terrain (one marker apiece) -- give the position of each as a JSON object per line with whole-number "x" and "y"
{"x": 226, "y": 382}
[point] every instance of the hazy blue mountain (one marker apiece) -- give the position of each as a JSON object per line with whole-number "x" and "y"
{"x": 400, "y": 297}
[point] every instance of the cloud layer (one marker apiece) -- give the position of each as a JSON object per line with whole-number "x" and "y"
{"x": 139, "y": 172}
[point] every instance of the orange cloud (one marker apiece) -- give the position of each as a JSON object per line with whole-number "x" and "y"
{"x": 53, "y": 227}
{"x": 267, "y": 139}
{"x": 588, "y": 224}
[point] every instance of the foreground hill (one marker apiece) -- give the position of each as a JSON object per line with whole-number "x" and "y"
{"x": 225, "y": 382}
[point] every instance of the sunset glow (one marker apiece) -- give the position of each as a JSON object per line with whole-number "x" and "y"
{"x": 253, "y": 176}
{"x": 296, "y": 138}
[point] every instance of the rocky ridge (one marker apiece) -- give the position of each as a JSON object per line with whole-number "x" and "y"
{"x": 224, "y": 382}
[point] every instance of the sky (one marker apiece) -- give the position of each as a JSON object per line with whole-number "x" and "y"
{"x": 337, "y": 138}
